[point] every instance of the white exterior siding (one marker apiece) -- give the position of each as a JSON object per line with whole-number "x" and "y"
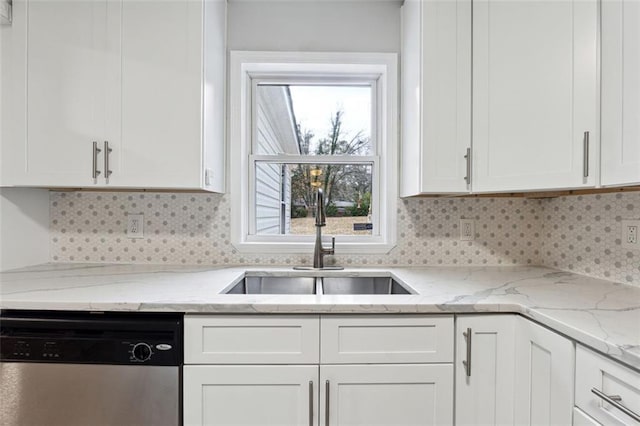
{"x": 275, "y": 133}
{"x": 268, "y": 199}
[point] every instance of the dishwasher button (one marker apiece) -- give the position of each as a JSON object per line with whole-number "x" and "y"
{"x": 141, "y": 352}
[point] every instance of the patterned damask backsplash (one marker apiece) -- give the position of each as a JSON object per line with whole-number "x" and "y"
{"x": 580, "y": 234}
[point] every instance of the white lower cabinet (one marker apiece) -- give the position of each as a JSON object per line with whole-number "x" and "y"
{"x": 252, "y": 339}
{"x": 485, "y": 369}
{"x": 250, "y": 395}
{"x": 510, "y": 370}
{"x": 367, "y": 395}
{"x": 380, "y": 339}
{"x": 329, "y": 370}
{"x": 368, "y": 370}
{"x": 580, "y": 418}
{"x": 544, "y": 375}
{"x": 605, "y": 390}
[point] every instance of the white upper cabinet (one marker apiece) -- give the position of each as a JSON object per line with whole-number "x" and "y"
{"x": 620, "y": 92}
{"x": 60, "y": 99}
{"x": 436, "y": 96}
{"x": 535, "y": 95}
{"x": 144, "y": 80}
{"x": 172, "y": 97}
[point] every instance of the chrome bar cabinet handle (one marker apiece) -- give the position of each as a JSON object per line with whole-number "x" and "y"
{"x": 107, "y": 170}
{"x": 326, "y": 403}
{"x": 94, "y": 169}
{"x": 311, "y": 403}
{"x": 585, "y": 148}
{"x": 467, "y": 362}
{"x": 614, "y": 400}
{"x": 467, "y": 157}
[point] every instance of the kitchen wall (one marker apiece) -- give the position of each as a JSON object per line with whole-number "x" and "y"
{"x": 311, "y": 26}
{"x": 577, "y": 233}
{"x": 24, "y": 226}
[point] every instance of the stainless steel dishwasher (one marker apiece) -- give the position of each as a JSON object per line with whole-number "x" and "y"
{"x": 60, "y": 368}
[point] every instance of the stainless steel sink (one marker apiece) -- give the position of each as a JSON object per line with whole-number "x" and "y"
{"x": 275, "y": 285}
{"x": 319, "y": 285}
{"x": 362, "y": 285}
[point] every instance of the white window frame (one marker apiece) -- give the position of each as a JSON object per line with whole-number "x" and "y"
{"x": 247, "y": 68}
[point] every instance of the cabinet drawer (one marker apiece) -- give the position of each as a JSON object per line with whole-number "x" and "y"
{"x": 244, "y": 339}
{"x": 593, "y": 371}
{"x": 386, "y": 339}
{"x": 581, "y": 419}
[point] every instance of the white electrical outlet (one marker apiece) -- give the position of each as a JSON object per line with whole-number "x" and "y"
{"x": 467, "y": 230}
{"x": 630, "y": 230}
{"x": 135, "y": 226}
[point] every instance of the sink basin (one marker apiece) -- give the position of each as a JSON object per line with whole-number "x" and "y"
{"x": 275, "y": 285}
{"x": 362, "y": 285}
{"x": 318, "y": 285}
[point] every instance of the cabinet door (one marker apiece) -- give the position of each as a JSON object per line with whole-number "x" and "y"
{"x": 67, "y": 61}
{"x": 250, "y": 395}
{"x": 436, "y": 96}
{"x": 156, "y": 138}
{"x": 535, "y": 94}
{"x": 545, "y": 365}
{"x": 484, "y": 395}
{"x": 620, "y": 92}
{"x": 408, "y": 394}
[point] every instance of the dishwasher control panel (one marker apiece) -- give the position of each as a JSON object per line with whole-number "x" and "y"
{"x": 27, "y": 349}
{"x": 66, "y": 350}
{"x": 86, "y": 339}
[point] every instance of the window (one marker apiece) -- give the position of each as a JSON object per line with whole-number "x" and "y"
{"x": 302, "y": 121}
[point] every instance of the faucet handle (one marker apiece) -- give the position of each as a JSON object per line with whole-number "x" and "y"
{"x": 332, "y": 250}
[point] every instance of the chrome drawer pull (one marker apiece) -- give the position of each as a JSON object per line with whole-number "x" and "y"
{"x": 585, "y": 152}
{"x": 467, "y": 362}
{"x": 467, "y": 157}
{"x": 107, "y": 170}
{"x": 326, "y": 403}
{"x": 311, "y": 403}
{"x": 613, "y": 400}
{"x": 94, "y": 168}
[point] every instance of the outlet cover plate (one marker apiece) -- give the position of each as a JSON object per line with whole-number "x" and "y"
{"x": 467, "y": 230}
{"x": 630, "y": 234}
{"x": 135, "y": 226}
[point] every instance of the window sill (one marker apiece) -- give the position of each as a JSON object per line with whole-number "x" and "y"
{"x": 307, "y": 247}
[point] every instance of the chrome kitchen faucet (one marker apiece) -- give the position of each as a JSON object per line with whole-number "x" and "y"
{"x": 319, "y": 252}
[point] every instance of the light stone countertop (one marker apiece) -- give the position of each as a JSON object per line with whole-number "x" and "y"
{"x": 594, "y": 312}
